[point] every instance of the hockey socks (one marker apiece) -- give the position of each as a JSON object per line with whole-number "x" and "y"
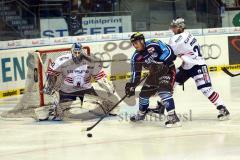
{"x": 167, "y": 100}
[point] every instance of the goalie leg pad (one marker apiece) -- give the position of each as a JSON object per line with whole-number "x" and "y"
{"x": 42, "y": 113}
{"x": 92, "y": 107}
{"x": 96, "y": 104}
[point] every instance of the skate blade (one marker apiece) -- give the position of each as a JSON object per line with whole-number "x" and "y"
{"x": 175, "y": 125}
{"x": 224, "y": 118}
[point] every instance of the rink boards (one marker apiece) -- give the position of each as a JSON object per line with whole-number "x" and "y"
{"x": 116, "y": 47}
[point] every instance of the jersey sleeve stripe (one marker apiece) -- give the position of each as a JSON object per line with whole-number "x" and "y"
{"x": 133, "y": 67}
{"x": 102, "y": 72}
{"x": 100, "y": 76}
{"x": 167, "y": 53}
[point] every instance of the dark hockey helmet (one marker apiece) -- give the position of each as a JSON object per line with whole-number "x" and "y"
{"x": 137, "y": 36}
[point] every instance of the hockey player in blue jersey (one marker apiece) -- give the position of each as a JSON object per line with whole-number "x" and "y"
{"x": 157, "y": 57}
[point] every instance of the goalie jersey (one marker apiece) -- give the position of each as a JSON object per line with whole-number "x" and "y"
{"x": 75, "y": 77}
{"x": 186, "y": 47}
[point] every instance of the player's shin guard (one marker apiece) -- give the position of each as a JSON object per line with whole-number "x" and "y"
{"x": 168, "y": 102}
{"x": 215, "y": 99}
{"x": 212, "y": 96}
{"x": 143, "y": 106}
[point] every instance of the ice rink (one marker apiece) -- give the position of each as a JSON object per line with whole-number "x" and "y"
{"x": 201, "y": 136}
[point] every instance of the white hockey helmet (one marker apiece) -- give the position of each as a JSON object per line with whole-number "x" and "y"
{"x": 178, "y": 22}
{"x": 77, "y": 52}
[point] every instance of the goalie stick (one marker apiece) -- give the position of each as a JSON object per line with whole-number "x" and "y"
{"x": 225, "y": 70}
{"x": 104, "y": 116}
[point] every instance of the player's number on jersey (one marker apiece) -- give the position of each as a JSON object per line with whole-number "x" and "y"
{"x": 197, "y": 49}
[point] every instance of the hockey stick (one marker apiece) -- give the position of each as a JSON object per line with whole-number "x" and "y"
{"x": 104, "y": 116}
{"x": 114, "y": 60}
{"x": 225, "y": 70}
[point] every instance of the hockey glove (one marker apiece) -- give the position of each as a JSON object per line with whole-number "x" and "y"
{"x": 130, "y": 89}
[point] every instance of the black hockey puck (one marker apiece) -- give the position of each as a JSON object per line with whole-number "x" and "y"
{"x": 89, "y": 135}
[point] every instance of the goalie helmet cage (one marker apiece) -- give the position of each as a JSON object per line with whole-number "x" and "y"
{"x": 33, "y": 97}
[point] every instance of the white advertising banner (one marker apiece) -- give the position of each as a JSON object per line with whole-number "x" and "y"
{"x": 231, "y": 19}
{"x": 106, "y": 25}
{"x": 54, "y": 27}
{"x": 50, "y": 40}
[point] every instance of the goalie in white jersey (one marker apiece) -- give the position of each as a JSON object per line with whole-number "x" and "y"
{"x": 76, "y": 70}
{"x": 185, "y": 46}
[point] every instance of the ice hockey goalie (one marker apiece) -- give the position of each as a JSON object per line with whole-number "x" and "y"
{"x": 76, "y": 69}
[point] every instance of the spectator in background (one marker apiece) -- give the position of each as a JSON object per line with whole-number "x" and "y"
{"x": 207, "y": 11}
{"x": 74, "y": 6}
{"x": 75, "y": 19}
{"x": 98, "y": 5}
{"x": 104, "y": 5}
{"x": 108, "y": 6}
{"x": 237, "y": 3}
{"x": 200, "y": 7}
{"x": 214, "y": 8}
{"x": 87, "y": 5}
{"x": 75, "y": 25}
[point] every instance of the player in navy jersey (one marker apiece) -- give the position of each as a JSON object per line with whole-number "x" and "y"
{"x": 157, "y": 57}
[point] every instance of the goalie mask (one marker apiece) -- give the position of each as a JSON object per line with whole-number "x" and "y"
{"x": 77, "y": 52}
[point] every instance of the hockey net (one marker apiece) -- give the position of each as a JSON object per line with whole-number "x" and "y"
{"x": 33, "y": 96}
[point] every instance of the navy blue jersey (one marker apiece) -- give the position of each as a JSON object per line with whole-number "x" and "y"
{"x": 155, "y": 51}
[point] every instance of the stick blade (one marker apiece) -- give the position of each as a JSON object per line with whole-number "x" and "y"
{"x": 90, "y": 128}
{"x": 84, "y": 129}
{"x": 224, "y": 69}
